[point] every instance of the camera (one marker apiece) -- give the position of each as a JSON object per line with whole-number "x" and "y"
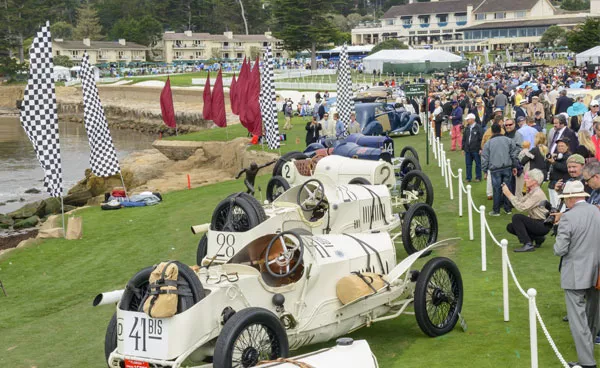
{"x": 556, "y": 156}
{"x": 550, "y": 219}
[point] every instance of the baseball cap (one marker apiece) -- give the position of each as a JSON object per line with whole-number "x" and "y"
{"x": 520, "y": 119}
{"x": 454, "y": 102}
{"x": 594, "y": 103}
{"x": 576, "y": 159}
{"x": 471, "y": 116}
{"x": 565, "y": 140}
{"x": 573, "y": 188}
{"x": 497, "y": 109}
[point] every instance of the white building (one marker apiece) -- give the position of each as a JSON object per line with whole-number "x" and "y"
{"x": 469, "y": 25}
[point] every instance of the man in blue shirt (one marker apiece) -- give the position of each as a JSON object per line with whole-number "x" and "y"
{"x": 527, "y": 132}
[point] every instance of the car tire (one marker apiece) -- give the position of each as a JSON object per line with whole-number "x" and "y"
{"x": 293, "y": 155}
{"x": 359, "y": 181}
{"x": 250, "y": 214}
{"x": 417, "y": 180}
{"x": 202, "y": 249}
{"x": 414, "y": 129}
{"x": 136, "y": 293}
{"x": 436, "y": 293}
{"x": 407, "y": 165}
{"x": 274, "y": 186}
{"x": 409, "y": 151}
{"x": 261, "y": 321}
{"x": 419, "y": 228}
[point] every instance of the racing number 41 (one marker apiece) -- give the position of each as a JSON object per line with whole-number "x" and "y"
{"x": 143, "y": 329}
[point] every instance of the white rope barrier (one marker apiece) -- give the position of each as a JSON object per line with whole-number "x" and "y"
{"x": 534, "y": 314}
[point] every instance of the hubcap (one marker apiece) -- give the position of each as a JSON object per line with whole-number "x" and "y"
{"x": 250, "y": 357}
{"x": 438, "y": 297}
{"x": 421, "y": 230}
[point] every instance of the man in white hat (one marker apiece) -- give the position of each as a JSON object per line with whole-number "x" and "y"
{"x": 587, "y": 122}
{"x": 521, "y": 110}
{"x": 577, "y": 245}
{"x": 471, "y": 145}
{"x": 535, "y": 106}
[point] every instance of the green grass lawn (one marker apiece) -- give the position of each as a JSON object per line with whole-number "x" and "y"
{"x": 48, "y": 320}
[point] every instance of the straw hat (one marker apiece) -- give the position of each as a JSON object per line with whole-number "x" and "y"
{"x": 573, "y": 189}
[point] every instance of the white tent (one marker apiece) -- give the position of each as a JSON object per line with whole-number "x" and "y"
{"x": 61, "y": 73}
{"x": 75, "y": 72}
{"x": 591, "y": 56}
{"x": 376, "y": 60}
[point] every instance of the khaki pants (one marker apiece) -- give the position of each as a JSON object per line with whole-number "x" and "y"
{"x": 288, "y": 123}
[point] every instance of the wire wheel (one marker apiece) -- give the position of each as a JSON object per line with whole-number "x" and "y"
{"x": 407, "y": 165}
{"x": 418, "y": 183}
{"x": 276, "y": 187}
{"x": 409, "y": 151}
{"x": 419, "y": 228}
{"x": 249, "y": 337}
{"x": 237, "y": 213}
{"x": 438, "y": 296}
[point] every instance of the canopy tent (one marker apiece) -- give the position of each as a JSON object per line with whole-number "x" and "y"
{"x": 61, "y": 73}
{"x": 420, "y": 61}
{"x": 592, "y": 56}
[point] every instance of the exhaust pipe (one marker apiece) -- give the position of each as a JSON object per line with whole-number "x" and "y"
{"x": 198, "y": 229}
{"x": 109, "y": 297}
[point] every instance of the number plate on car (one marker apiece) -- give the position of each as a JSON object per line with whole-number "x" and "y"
{"x": 143, "y": 336}
{"x": 136, "y": 364}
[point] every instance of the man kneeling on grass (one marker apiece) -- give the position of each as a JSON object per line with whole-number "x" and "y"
{"x": 529, "y": 228}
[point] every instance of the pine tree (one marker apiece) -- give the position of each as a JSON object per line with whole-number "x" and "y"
{"x": 88, "y": 25}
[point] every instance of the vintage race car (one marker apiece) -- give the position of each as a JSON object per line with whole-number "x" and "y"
{"x": 278, "y": 293}
{"x": 319, "y": 206}
{"x": 383, "y": 143}
{"x": 380, "y": 118}
{"x": 295, "y": 168}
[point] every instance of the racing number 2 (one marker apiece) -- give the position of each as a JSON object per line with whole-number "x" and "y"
{"x": 286, "y": 169}
{"x": 143, "y": 329}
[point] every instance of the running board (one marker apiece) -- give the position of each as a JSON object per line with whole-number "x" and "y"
{"x": 404, "y": 266}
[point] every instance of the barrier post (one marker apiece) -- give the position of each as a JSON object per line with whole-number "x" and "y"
{"x": 445, "y": 168}
{"x": 439, "y": 151}
{"x": 504, "y": 244}
{"x": 434, "y": 147}
{"x": 532, "y": 328}
{"x": 460, "y": 193}
{"x": 470, "y": 211}
{"x": 483, "y": 238}
{"x": 443, "y": 160}
{"x": 450, "y": 179}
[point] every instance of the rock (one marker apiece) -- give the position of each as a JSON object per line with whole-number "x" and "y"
{"x": 69, "y": 208}
{"x": 32, "y": 191}
{"x": 52, "y": 206}
{"x": 26, "y": 223}
{"x": 96, "y": 201}
{"x": 2, "y": 204}
{"x": 78, "y": 199}
{"x": 56, "y": 232}
{"x": 52, "y": 222}
{"x": 6, "y": 221}
{"x": 27, "y": 242}
{"x": 21, "y": 199}
{"x": 13, "y": 238}
{"x": 177, "y": 150}
{"x": 11, "y": 200}
{"x": 31, "y": 209}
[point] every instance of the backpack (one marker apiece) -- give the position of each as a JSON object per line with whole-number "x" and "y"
{"x": 163, "y": 298}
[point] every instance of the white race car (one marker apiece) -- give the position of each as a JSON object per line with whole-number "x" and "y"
{"x": 280, "y": 292}
{"x": 319, "y": 206}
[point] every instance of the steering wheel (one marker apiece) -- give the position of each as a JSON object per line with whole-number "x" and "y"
{"x": 311, "y": 195}
{"x": 286, "y": 243}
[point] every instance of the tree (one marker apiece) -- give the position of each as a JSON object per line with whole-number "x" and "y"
{"x": 22, "y": 19}
{"x": 147, "y": 31}
{"x": 389, "y": 45}
{"x": 61, "y": 30}
{"x": 304, "y": 25}
{"x": 575, "y": 5}
{"x": 62, "y": 60}
{"x": 554, "y": 36}
{"x": 584, "y": 36}
{"x": 88, "y": 25}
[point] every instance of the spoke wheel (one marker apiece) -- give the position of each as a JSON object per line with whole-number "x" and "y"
{"x": 419, "y": 228}
{"x": 438, "y": 296}
{"x": 276, "y": 187}
{"x": 407, "y": 165}
{"x": 408, "y": 151}
{"x": 418, "y": 182}
{"x": 250, "y": 336}
{"x": 237, "y": 213}
{"x": 414, "y": 129}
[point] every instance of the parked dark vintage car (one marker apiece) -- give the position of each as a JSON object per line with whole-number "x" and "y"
{"x": 381, "y": 118}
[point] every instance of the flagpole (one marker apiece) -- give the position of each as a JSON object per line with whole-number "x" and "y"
{"x": 62, "y": 209}
{"x": 123, "y": 182}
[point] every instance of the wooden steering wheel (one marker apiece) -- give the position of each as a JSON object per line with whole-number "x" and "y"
{"x": 289, "y": 247}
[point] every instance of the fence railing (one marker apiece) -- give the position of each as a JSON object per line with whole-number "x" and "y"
{"x": 445, "y": 166}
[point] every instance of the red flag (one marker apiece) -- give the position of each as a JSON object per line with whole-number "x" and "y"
{"x": 232, "y": 96}
{"x": 207, "y": 98}
{"x": 240, "y": 92}
{"x": 166, "y": 105}
{"x": 252, "y": 108}
{"x": 218, "y": 103}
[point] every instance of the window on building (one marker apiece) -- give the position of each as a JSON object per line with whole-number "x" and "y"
{"x": 178, "y": 54}
{"x": 407, "y": 21}
{"x": 178, "y": 43}
{"x": 265, "y": 44}
{"x": 389, "y": 22}
{"x": 461, "y": 18}
{"x": 477, "y": 35}
{"x": 512, "y": 32}
{"x": 503, "y": 33}
{"x": 494, "y": 33}
{"x": 239, "y": 55}
{"x": 199, "y": 54}
{"x": 499, "y": 15}
{"x": 226, "y": 55}
{"x": 520, "y": 14}
{"x": 225, "y": 44}
{"x": 424, "y": 19}
{"x": 278, "y": 54}
{"x": 121, "y": 54}
{"x": 480, "y": 16}
{"x": 57, "y": 52}
{"x": 442, "y": 18}
{"x": 75, "y": 53}
{"x": 522, "y": 32}
{"x": 530, "y": 32}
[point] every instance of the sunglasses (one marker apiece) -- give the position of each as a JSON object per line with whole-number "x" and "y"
{"x": 585, "y": 181}
{"x": 509, "y": 125}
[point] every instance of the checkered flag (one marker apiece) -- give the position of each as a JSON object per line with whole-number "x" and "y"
{"x": 39, "y": 117}
{"x": 103, "y": 158}
{"x": 261, "y": 96}
{"x": 268, "y": 93}
{"x": 345, "y": 103}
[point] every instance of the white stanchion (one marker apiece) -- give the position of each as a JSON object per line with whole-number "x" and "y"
{"x": 434, "y": 149}
{"x": 504, "y": 244}
{"x": 470, "y": 211}
{"x": 533, "y": 328}
{"x": 483, "y": 238}
{"x": 460, "y": 193}
{"x": 449, "y": 176}
{"x": 439, "y": 151}
{"x": 443, "y": 160}
{"x": 445, "y": 168}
